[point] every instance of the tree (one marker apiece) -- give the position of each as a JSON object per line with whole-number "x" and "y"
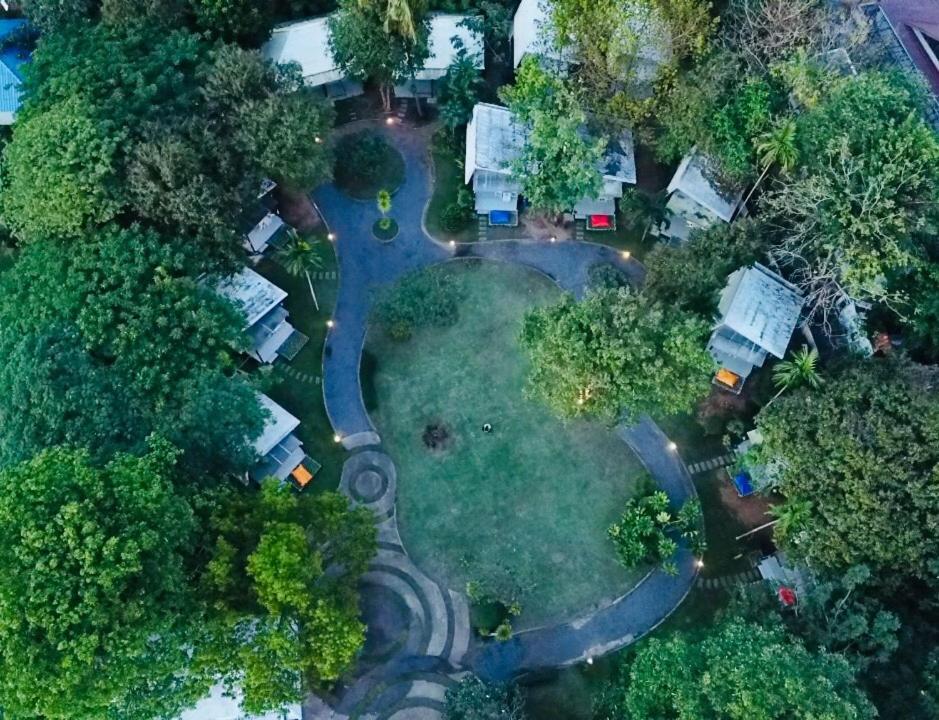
{"x": 94, "y": 608}
{"x": 52, "y": 15}
{"x": 775, "y": 147}
{"x": 244, "y": 21}
{"x": 298, "y": 257}
{"x": 284, "y": 573}
{"x": 473, "y": 699}
{"x": 558, "y": 164}
{"x": 800, "y": 370}
{"x": 459, "y": 90}
{"x": 616, "y": 355}
{"x": 858, "y": 461}
{"x": 642, "y": 534}
{"x": 691, "y": 276}
{"x": 385, "y": 40}
{"x": 687, "y": 678}
{"x": 858, "y": 214}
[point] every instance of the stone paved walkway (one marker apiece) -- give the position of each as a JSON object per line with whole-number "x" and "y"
{"x": 413, "y": 656}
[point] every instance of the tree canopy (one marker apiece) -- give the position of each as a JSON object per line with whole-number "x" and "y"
{"x": 616, "y": 354}
{"x": 859, "y": 468}
{"x": 734, "y": 671}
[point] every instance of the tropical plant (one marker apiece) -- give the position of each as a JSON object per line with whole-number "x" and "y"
{"x": 776, "y": 147}
{"x": 383, "y": 202}
{"x": 298, "y": 256}
{"x": 800, "y": 370}
{"x": 645, "y": 210}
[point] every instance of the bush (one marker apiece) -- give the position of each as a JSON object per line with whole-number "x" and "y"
{"x": 366, "y": 163}
{"x": 420, "y": 299}
{"x": 641, "y": 534}
{"x": 606, "y": 276}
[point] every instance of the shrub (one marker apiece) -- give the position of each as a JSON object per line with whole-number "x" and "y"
{"x": 420, "y": 299}
{"x": 366, "y": 163}
{"x": 606, "y": 276}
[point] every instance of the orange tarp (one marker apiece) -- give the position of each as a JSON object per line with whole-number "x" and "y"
{"x": 301, "y": 475}
{"x": 728, "y": 378}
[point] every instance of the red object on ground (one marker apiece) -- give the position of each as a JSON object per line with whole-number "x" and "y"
{"x": 600, "y": 222}
{"x": 787, "y": 596}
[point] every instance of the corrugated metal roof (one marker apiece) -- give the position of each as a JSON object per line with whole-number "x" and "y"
{"x": 278, "y": 425}
{"x": 307, "y": 44}
{"x": 252, "y": 293}
{"x": 11, "y": 61}
{"x": 694, "y": 179}
{"x": 444, "y": 27}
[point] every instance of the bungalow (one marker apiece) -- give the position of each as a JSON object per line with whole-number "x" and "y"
{"x": 494, "y": 140}
{"x": 758, "y": 313}
{"x": 12, "y": 59}
{"x": 280, "y": 453}
{"x": 696, "y": 200}
{"x": 533, "y": 34}
{"x": 307, "y": 44}
{"x": 908, "y": 31}
{"x": 443, "y": 29}
{"x": 261, "y": 302}
{"x": 263, "y": 227}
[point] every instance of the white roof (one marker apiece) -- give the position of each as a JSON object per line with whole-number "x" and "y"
{"x": 218, "y": 706}
{"x": 307, "y": 44}
{"x": 251, "y": 293}
{"x": 532, "y": 31}
{"x": 442, "y": 53}
{"x": 762, "y": 307}
{"x": 278, "y": 425}
{"x": 619, "y": 159}
{"x": 692, "y": 179}
{"x": 493, "y": 140}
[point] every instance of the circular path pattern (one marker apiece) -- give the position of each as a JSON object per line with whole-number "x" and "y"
{"x": 412, "y": 657}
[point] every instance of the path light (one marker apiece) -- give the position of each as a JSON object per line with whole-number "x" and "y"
{"x": 389, "y": 121}
{"x": 626, "y": 254}
{"x": 453, "y": 243}
{"x": 589, "y": 660}
{"x": 672, "y": 446}
{"x": 317, "y": 139}
{"x": 337, "y": 438}
{"x": 330, "y": 323}
{"x": 330, "y": 236}
{"x": 553, "y": 239}
{"x": 699, "y": 562}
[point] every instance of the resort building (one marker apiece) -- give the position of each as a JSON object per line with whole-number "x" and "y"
{"x": 696, "y": 200}
{"x": 263, "y": 227}
{"x": 908, "y": 31}
{"x": 261, "y": 303}
{"x": 280, "y": 453}
{"x": 495, "y": 139}
{"x": 443, "y": 51}
{"x": 12, "y": 59}
{"x": 533, "y": 34}
{"x": 758, "y": 312}
{"x": 307, "y": 44}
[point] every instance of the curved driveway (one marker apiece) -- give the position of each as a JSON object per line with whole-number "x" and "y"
{"x": 364, "y": 266}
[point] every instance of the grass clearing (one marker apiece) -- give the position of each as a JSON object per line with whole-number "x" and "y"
{"x": 448, "y": 179}
{"x": 523, "y": 509}
{"x": 305, "y": 399}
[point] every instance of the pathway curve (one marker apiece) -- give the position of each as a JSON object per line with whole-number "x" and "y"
{"x": 412, "y": 656}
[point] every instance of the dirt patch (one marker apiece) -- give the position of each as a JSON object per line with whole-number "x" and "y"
{"x": 297, "y": 210}
{"x": 437, "y": 436}
{"x": 750, "y": 511}
{"x": 541, "y": 227}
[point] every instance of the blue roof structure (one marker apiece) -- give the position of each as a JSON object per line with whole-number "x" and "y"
{"x": 12, "y": 59}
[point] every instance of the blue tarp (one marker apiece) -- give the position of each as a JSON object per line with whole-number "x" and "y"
{"x": 742, "y": 483}
{"x": 500, "y": 217}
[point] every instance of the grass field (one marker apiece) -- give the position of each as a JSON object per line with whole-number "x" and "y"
{"x": 448, "y": 179}
{"x": 524, "y": 509}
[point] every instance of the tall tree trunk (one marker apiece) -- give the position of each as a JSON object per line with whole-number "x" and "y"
{"x": 309, "y": 282}
{"x": 755, "y": 186}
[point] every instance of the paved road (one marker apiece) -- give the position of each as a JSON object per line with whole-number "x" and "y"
{"x": 366, "y": 265}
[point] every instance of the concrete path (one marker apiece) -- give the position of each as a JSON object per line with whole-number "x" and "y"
{"x": 425, "y": 647}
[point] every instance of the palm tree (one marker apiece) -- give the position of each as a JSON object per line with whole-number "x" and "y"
{"x": 399, "y": 19}
{"x": 801, "y": 369}
{"x": 298, "y": 257}
{"x": 776, "y": 147}
{"x": 384, "y": 207}
{"x": 645, "y": 209}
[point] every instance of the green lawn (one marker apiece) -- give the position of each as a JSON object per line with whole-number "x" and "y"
{"x": 303, "y": 399}
{"x": 524, "y": 509}
{"x": 448, "y": 179}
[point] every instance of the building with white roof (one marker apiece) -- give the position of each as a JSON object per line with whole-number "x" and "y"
{"x": 443, "y": 29}
{"x": 307, "y": 44}
{"x": 218, "y": 705}
{"x": 280, "y": 453}
{"x": 696, "y": 200}
{"x": 758, "y": 313}
{"x": 261, "y": 303}
{"x": 533, "y": 34}
{"x": 494, "y": 141}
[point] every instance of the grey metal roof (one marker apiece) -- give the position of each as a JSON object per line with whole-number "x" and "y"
{"x": 695, "y": 177}
{"x": 252, "y": 293}
{"x": 760, "y": 306}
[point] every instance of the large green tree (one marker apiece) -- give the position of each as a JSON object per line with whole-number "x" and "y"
{"x": 616, "y": 354}
{"x": 559, "y": 163}
{"x": 734, "y": 671}
{"x": 382, "y": 40}
{"x": 284, "y": 574}
{"x": 473, "y": 699}
{"x": 94, "y": 608}
{"x": 859, "y": 469}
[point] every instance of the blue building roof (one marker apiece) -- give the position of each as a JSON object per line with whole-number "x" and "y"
{"x": 12, "y": 59}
